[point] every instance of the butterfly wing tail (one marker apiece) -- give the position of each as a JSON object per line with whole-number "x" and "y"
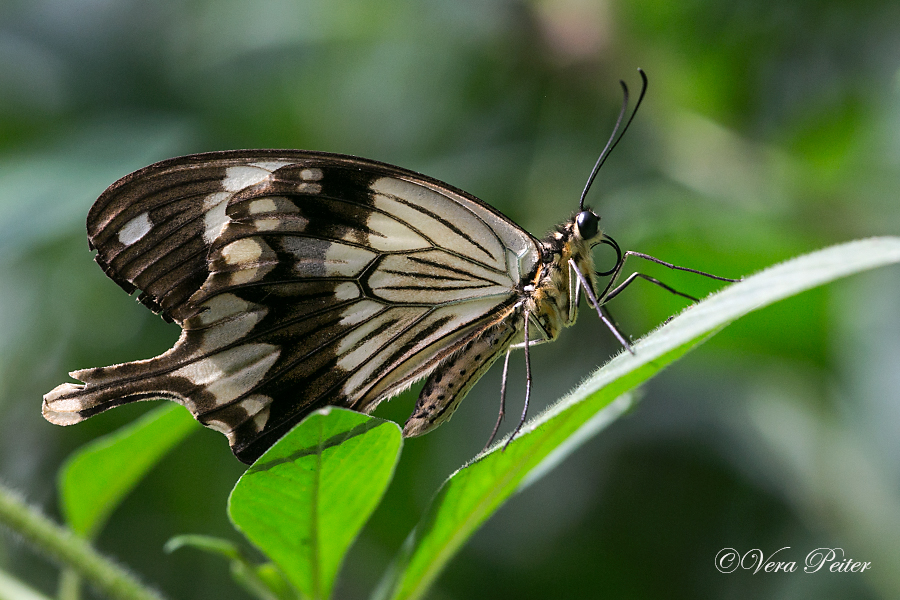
{"x": 217, "y": 385}
{"x": 104, "y": 388}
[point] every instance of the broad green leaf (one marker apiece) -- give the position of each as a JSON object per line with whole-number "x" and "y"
{"x": 305, "y": 500}
{"x": 98, "y": 476}
{"x": 263, "y": 581}
{"x": 473, "y": 493}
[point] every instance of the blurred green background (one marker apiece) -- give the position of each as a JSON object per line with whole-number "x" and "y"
{"x": 770, "y": 129}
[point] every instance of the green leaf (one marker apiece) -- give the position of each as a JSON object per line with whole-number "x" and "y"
{"x": 305, "y": 500}
{"x": 262, "y": 581}
{"x": 271, "y": 576}
{"x": 98, "y": 476}
{"x": 476, "y": 491}
{"x": 206, "y": 543}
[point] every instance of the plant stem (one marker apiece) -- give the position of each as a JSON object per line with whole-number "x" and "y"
{"x": 69, "y": 587}
{"x": 66, "y": 548}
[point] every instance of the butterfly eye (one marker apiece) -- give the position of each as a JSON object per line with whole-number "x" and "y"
{"x": 588, "y": 224}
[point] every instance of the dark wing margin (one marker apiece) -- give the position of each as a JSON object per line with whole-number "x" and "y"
{"x": 153, "y": 229}
{"x": 300, "y": 279}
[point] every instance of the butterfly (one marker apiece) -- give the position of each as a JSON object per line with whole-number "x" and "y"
{"x": 305, "y": 279}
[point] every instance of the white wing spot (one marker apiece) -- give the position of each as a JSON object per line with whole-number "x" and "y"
{"x": 389, "y": 234}
{"x": 222, "y": 307}
{"x": 309, "y": 188}
{"x": 359, "y": 312}
{"x": 214, "y": 200}
{"x": 311, "y": 174}
{"x": 241, "y": 381}
{"x": 229, "y": 331}
{"x": 238, "y": 178}
{"x": 63, "y": 411}
{"x": 360, "y": 344}
{"x": 255, "y": 403}
{"x": 220, "y": 426}
{"x": 135, "y": 229}
{"x": 244, "y": 276}
{"x": 460, "y": 223}
{"x": 268, "y": 224}
{"x": 346, "y": 291}
{"x": 243, "y": 251}
{"x": 215, "y": 219}
{"x": 345, "y": 261}
{"x": 259, "y": 421}
{"x": 271, "y": 165}
{"x": 231, "y": 373}
{"x": 263, "y": 205}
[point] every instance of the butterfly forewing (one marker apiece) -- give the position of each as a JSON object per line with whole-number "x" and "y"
{"x": 153, "y": 230}
{"x": 300, "y": 279}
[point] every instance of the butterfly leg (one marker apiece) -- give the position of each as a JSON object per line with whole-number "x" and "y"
{"x": 675, "y": 267}
{"x": 526, "y": 345}
{"x": 617, "y": 270}
{"x": 502, "y": 401}
{"x": 652, "y": 280}
{"x": 598, "y": 307}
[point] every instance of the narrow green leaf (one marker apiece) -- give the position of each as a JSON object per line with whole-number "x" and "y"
{"x": 272, "y": 577}
{"x": 305, "y": 500}
{"x": 473, "y": 493}
{"x": 205, "y": 543}
{"x": 246, "y": 576}
{"x": 261, "y": 581}
{"x": 98, "y": 476}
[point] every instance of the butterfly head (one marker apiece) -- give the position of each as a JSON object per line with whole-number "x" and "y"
{"x": 587, "y": 225}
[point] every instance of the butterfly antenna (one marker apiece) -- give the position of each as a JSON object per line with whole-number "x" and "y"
{"x": 613, "y": 140}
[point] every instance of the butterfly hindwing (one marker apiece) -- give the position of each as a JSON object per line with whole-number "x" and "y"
{"x": 300, "y": 279}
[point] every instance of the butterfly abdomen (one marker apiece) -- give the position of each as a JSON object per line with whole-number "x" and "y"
{"x": 448, "y": 385}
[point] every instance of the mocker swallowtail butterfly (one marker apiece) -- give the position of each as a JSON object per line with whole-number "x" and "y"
{"x": 304, "y": 279}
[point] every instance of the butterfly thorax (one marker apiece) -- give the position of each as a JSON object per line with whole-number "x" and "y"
{"x": 550, "y": 298}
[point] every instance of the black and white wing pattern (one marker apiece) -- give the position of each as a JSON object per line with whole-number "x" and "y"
{"x": 303, "y": 279}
